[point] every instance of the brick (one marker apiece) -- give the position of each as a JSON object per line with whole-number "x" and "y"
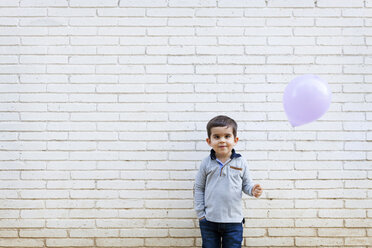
{"x": 8, "y": 234}
{"x": 179, "y": 233}
{"x": 338, "y": 213}
{"x": 342, "y": 155}
{"x": 291, "y": 194}
{"x": 291, "y": 41}
{"x": 169, "y": 185}
{"x": 70, "y": 12}
{"x": 278, "y": 232}
{"x": 358, "y": 241}
{"x": 269, "y": 223}
{"x": 318, "y": 241}
{"x": 170, "y": 242}
{"x": 9, "y": 213}
{"x": 319, "y": 203}
{"x": 181, "y": 212}
{"x": 146, "y": 3}
{"x": 19, "y": 204}
{"x": 69, "y": 203}
{"x": 289, "y": 242}
{"x": 44, "y": 175}
{"x": 93, "y": 3}
{"x": 120, "y": 204}
{"x": 145, "y": 175}
{"x": 256, "y": 3}
{"x": 341, "y": 3}
{"x": 295, "y": 213}
{"x": 342, "y": 175}
{"x": 222, "y": 88}
{"x": 120, "y": 184}
{"x": 144, "y": 194}
{"x": 357, "y": 223}
{"x": 170, "y": 223}
{"x": 71, "y": 184}
{"x": 282, "y": 154}
{"x": 171, "y": 31}
{"x": 274, "y": 184}
{"x": 9, "y": 3}
{"x": 119, "y": 242}
{"x": 104, "y": 194}
{"x": 319, "y": 184}
{"x": 292, "y": 175}
{"x": 253, "y": 41}
{"x": 19, "y": 223}
{"x": 37, "y": 12}
{"x": 44, "y": 214}
{"x": 97, "y": 213}
{"x": 240, "y": 22}
{"x": 143, "y": 233}
{"x": 192, "y": 60}
{"x": 174, "y": 204}
{"x": 169, "y": 69}
{"x": 338, "y": 232}
{"x": 140, "y": 213}
{"x": 69, "y": 242}
{"x": 44, "y": 194}
{"x": 191, "y": 40}
{"x": 22, "y": 242}
{"x": 356, "y": 184}
{"x": 339, "y": 193}
{"x": 319, "y": 223}
{"x": 94, "y": 175}
{"x": 170, "y": 12}
{"x": 143, "y": 79}
{"x": 124, "y": 12}
{"x": 219, "y": 12}
{"x": 79, "y": 233}
{"x": 221, "y": 31}
{"x": 318, "y": 50}
{"x": 361, "y": 204}
{"x": 286, "y": 3}
{"x": 121, "y": 222}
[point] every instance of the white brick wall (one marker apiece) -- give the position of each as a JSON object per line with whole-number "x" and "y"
{"x": 104, "y": 105}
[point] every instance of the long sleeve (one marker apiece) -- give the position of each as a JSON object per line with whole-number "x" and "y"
{"x": 199, "y": 192}
{"x": 247, "y": 180}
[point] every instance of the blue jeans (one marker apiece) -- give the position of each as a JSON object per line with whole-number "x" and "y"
{"x": 212, "y": 233}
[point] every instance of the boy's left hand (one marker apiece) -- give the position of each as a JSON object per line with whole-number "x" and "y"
{"x": 257, "y": 191}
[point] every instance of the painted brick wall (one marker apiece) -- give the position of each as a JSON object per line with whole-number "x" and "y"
{"x": 104, "y": 105}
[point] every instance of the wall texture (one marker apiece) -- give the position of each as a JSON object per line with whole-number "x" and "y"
{"x": 104, "y": 105}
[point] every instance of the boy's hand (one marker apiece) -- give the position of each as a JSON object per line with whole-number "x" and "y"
{"x": 257, "y": 191}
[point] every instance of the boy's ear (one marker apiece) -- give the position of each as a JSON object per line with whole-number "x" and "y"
{"x": 236, "y": 140}
{"x": 208, "y": 141}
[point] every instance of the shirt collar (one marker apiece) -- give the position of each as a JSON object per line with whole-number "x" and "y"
{"x": 233, "y": 154}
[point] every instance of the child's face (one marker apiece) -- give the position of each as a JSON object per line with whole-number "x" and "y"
{"x": 222, "y": 141}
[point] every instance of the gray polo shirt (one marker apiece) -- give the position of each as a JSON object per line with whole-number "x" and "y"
{"x": 218, "y": 189}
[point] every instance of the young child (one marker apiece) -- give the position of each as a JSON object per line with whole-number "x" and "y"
{"x": 219, "y": 184}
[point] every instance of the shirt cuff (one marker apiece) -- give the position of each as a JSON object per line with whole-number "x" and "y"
{"x": 250, "y": 190}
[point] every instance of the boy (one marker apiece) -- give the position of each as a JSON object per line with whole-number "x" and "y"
{"x": 219, "y": 184}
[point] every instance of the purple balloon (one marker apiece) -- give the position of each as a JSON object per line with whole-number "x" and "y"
{"x": 306, "y": 98}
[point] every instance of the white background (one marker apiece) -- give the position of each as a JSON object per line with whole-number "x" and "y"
{"x": 104, "y": 105}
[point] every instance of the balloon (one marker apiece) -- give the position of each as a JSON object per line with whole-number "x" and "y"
{"x": 306, "y": 98}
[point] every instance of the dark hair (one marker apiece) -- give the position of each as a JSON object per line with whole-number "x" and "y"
{"x": 222, "y": 121}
